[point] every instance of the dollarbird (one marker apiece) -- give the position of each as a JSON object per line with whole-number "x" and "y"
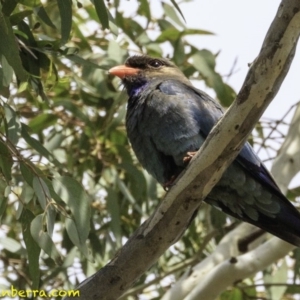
{"x": 168, "y": 119}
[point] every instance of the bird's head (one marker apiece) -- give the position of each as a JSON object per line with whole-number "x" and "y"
{"x": 140, "y": 70}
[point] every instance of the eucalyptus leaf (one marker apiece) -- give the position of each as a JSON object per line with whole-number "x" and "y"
{"x": 33, "y": 250}
{"x": 65, "y": 10}
{"x": 13, "y": 124}
{"x": 6, "y": 161}
{"x": 72, "y": 193}
{"x": 9, "y": 47}
{"x": 43, "y": 239}
{"x": 42, "y": 14}
{"x": 101, "y": 12}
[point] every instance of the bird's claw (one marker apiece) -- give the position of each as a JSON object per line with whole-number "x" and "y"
{"x": 167, "y": 185}
{"x": 189, "y": 156}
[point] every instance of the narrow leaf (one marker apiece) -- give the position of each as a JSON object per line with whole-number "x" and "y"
{"x": 9, "y": 47}
{"x": 144, "y": 9}
{"x": 42, "y": 14}
{"x": 101, "y": 12}
{"x": 82, "y": 61}
{"x": 51, "y": 215}
{"x": 13, "y": 124}
{"x": 171, "y": 13}
{"x": 11, "y": 245}
{"x": 26, "y": 173}
{"x": 178, "y": 9}
{"x": 74, "y": 237}
{"x": 9, "y": 6}
{"x": 6, "y": 161}
{"x": 18, "y": 17}
{"x": 7, "y": 72}
{"x": 41, "y": 190}
{"x": 33, "y": 250}
{"x": 72, "y": 193}
{"x": 42, "y": 121}
{"x": 43, "y": 239}
{"x": 114, "y": 210}
{"x": 3, "y": 199}
{"x": 65, "y": 10}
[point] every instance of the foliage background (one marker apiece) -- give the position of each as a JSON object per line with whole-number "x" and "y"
{"x": 71, "y": 190}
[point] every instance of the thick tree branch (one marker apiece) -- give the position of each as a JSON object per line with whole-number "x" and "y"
{"x": 171, "y": 218}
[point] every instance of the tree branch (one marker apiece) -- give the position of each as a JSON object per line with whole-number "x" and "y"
{"x": 172, "y": 217}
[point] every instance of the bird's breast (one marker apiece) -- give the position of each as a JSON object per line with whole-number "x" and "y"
{"x": 166, "y": 122}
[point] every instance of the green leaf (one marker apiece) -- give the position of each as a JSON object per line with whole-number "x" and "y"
{"x": 51, "y": 216}
{"x": 204, "y": 61}
{"x": 74, "y": 237}
{"x": 114, "y": 29}
{"x": 178, "y": 9}
{"x": 30, "y": 3}
{"x": 9, "y": 47}
{"x": 4, "y": 90}
{"x": 233, "y": 294}
{"x": 9, "y": 6}
{"x": 173, "y": 34}
{"x": 11, "y": 245}
{"x": 26, "y": 173}
{"x": 12, "y": 123}
{"x": 3, "y": 198}
{"x": 7, "y": 72}
{"x": 72, "y": 193}
{"x": 18, "y": 17}
{"x": 144, "y": 9}
{"x": 293, "y": 193}
{"x": 42, "y": 121}
{"x": 33, "y": 250}
{"x": 27, "y": 193}
{"x": 65, "y": 10}
{"x": 101, "y": 12}
{"x": 114, "y": 211}
{"x": 41, "y": 190}
{"x": 171, "y": 13}
{"x": 115, "y": 51}
{"x": 278, "y": 276}
{"x": 43, "y": 239}
{"x": 84, "y": 62}
{"x": 42, "y": 14}
{"x": 179, "y": 53}
{"x": 6, "y": 161}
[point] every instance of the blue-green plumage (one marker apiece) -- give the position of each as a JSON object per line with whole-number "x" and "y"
{"x": 167, "y": 118}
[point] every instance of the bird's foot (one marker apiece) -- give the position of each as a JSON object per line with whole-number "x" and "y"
{"x": 167, "y": 185}
{"x": 189, "y": 156}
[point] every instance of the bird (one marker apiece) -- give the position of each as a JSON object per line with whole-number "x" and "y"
{"x": 168, "y": 119}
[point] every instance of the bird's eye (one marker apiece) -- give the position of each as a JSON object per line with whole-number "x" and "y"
{"x": 155, "y": 63}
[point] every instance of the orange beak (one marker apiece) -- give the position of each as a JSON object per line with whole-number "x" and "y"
{"x": 122, "y": 71}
